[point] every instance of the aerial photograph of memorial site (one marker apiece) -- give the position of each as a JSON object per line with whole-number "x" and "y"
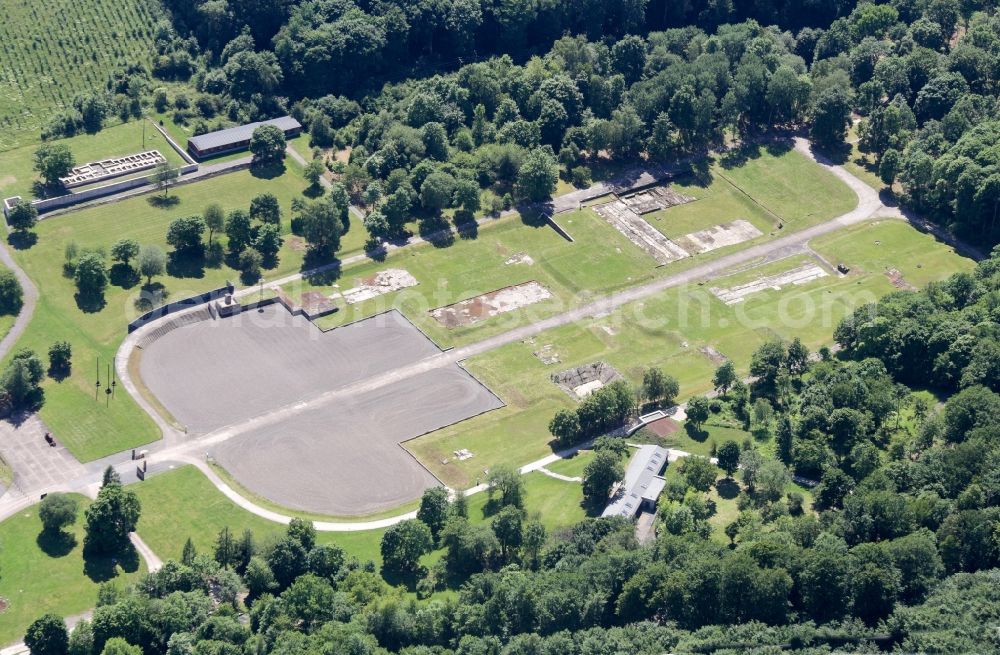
{"x": 499, "y": 327}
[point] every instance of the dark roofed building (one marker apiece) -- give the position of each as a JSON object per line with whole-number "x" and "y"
{"x": 237, "y": 138}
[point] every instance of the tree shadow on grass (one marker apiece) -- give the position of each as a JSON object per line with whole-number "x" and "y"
{"x": 468, "y": 229}
{"x": 22, "y": 239}
{"x": 184, "y": 264}
{"x": 698, "y": 434}
{"x": 330, "y": 268}
{"x": 152, "y": 295}
{"x": 727, "y": 488}
{"x": 268, "y": 171}
{"x": 56, "y": 543}
{"x": 376, "y": 250}
{"x": 313, "y": 191}
{"x": 437, "y": 231}
{"x": 60, "y": 374}
{"x": 90, "y": 303}
{"x": 831, "y": 154}
{"x": 101, "y": 567}
{"x": 163, "y": 202}
{"x": 124, "y": 276}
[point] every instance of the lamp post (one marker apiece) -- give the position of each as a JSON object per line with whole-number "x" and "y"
{"x": 97, "y": 383}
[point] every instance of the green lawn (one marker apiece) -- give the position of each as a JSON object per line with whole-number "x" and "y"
{"x": 17, "y": 176}
{"x": 183, "y": 503}
{"x": 792, "y": 187}
{"x": 88, "y": 428}
{"x": 874, "y": 248}
{"x": 35, "y": 581}
{"x": 673, "y": 331}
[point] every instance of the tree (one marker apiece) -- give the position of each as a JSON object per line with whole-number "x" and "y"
{"x": 47, "y": 636}
{"x": 164, "y": 176}
{"x": 11, "y": 293}
{"x": 600, "y": 474}
{"x": 184, "y": 234}
{"x": 250, "y": 261}
{"x": 57, "y": 511}
{"x": 225, "y": 548}
{"x": 889, "y": 167}
{"x": 751, "y": 462}
{"x": 91, "y": 276}
{"x": 698, "y": 472}
{"x": 151, "y": 261}
{"x": 52, "y": 161}
{"x": 724, "y": 378}
{"x": 189, "y": 553}
{"x": 505, "y": 483}
{"x": 239, "y": 230}
{"x": 22, "y": 216}
{"x": 321, "y": 227}
{"x": 314, "y": 172}
{"x": 433, "y": 509}
{"x": 287, "y": 561}
{"x": 538, "y": 175}
{"x": 118, "y": 646}
{"x": 728, "y": 456}
{"x": 508, "y": 526}
{"x": 698, "y": 411}
{"x": 124, "y": 250}
{"x": 265, "y": 208}
{"x": 304, "y": 532}
{"x": 267, "y": 144}
{"x": 110, "y": 476}
{"x": 215, "y": 220}
{"x": 467, "y": 196}
{"x": 436, "y": 191}
{"x": 110, "y": 519}
{"x": 831, "y": 114}
{"x": 259, "y": 578}
{"x": 565, "y": 427}
{"x": 798, "y": 357}
{"x": 403, "y": 545}
{"x": 268, "y": 241}
{"x": 654, "y": 384}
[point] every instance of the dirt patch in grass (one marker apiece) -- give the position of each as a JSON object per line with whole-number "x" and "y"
{"x": 663, "y": 427}
{"x": 488, "y": 305}
{"x": 898, "y": 280}
{"x": 713, "y": 355}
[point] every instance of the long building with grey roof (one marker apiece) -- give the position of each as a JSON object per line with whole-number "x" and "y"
{"x": 237, "y": 138}
{"x": 642, "y": 485}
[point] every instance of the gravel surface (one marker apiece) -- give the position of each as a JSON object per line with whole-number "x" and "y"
{"x": 344, "y": 458}
{"x": 214, "y": 373}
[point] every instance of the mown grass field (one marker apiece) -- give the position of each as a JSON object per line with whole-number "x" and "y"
{"x": 88, "y": 428}
{"x": 17, "y": 177}
{"x": 674, "y": 331}
{"x": 34, "y": 580}
{"x": 52, "y": 51}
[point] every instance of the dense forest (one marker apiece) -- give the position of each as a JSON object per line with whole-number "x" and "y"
{"x": 485, "y": 102}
